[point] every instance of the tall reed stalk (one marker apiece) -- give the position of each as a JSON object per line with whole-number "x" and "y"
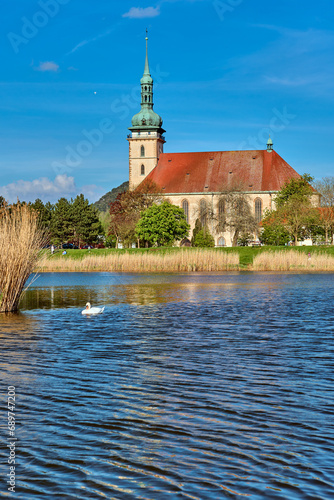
{"x": 182, "y": 261}
{"x": 21, "y": 240}
{"x": 293, "y": 261}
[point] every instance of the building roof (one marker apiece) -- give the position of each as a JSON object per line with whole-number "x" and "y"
{"x": 216, "y": 171}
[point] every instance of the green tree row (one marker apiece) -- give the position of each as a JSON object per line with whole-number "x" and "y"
{"x": 76, "y": 221}
{"x": 296, "y": 217}
{"x": 142, "y": 216}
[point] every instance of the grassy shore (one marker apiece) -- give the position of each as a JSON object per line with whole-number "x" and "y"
{"x": 192, "y": 260}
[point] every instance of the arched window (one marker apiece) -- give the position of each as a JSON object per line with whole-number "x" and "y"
{"x": 221, "y": 242}
{"x": 203, "y": 212}
{"x": 142, "y": 170}
{"x": 258, "y": 210}
{"x": 221, "y": 208}
{"x": 149, "y": 98}
{"x": 142, "y": 151}
{"x": 185, "y": 206}
{"x": 145, "y": 89}
{"x": 221, "y": 216}
{"x": 146, "y": 98}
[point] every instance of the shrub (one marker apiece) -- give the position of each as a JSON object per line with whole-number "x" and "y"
{"x": 202, "y": 237}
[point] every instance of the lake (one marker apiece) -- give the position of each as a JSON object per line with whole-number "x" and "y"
{"x": 191, "y": 386}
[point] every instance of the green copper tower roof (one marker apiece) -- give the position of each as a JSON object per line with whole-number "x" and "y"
{"x": 146, "y": 119}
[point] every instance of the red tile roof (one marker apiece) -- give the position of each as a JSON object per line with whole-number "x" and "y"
{"x": 215, "y": 171}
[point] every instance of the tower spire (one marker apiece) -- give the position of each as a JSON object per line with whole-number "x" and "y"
{"x": 147, "y": 67}
{"x": 147, "y": 118}
{"x": 146, "y": 141}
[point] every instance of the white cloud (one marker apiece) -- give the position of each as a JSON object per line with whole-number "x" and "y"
{"x": 90, "y": 40}
{"x": 39, "y": 188}
{"x": 46, "y": 189}
{"x": 141, "y": 13}
{"x": 48, "y": 66}
{"x": 79, "y": 45}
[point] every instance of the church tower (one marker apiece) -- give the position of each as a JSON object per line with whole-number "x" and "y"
{"x": 146, "y": 140}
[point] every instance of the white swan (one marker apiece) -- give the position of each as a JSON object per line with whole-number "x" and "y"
{"x": 92, "y": 310}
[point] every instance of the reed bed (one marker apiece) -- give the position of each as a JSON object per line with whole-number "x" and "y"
{"x": 21, "y": 240}
{"x": 183, "y": 261}
{"x": 292, "y": 261}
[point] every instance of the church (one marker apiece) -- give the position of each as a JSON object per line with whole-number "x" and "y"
{"x": 195, "y": 181}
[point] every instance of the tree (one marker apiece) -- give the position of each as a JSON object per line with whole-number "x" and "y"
{"x": 85, "y": 220}
{"x": 325, "y": 188}
{"x": 126, "y": 209}
{"x": 61, "y": 222}
{"x": 244, "y": 239}
{"x": 294, "y": 208}
{"x": 233, "y": 213}
{"x": 240, "y": 219}
{"x": 326, "y": 223}
{"x": 237, "y": 216}
{"x": 274, "y": 232}
{"x": 298, "y": 217}
{"x": 110, "y": 241}
{"x": 294, "y": 211}
{"x": 117, "y": 219}
{"x": 44, "y": 211}
{"x": 76, "y": 220}
{"x": 201, "y": 236}
{"x": 105, "y": 221}
{"x": 203, "y": 239}
{"x": 295, "y": 189}
{"x": 124, "y": 215}
{"x": 162, "y": 225}
{"x": 196, "y": 230}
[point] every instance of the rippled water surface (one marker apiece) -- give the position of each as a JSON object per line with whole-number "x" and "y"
{"x": 188, "y": 386}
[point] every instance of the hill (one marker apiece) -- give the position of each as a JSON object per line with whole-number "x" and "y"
{"x": 103, "y": 203}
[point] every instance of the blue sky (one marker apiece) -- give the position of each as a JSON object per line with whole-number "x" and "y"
{"x": 227, "y": 72}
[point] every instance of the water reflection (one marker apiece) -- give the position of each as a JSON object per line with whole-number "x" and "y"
{"x": 15, "y": 323}
{"x": 17, "y": 341}
{"x": 76, "y": 292}
{"x": 193, "y": 386}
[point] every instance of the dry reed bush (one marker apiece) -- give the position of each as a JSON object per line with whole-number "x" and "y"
{"x": 292, "y": 261}
{"x": 184, "y": 261}
{"x": 21, "y": 240}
